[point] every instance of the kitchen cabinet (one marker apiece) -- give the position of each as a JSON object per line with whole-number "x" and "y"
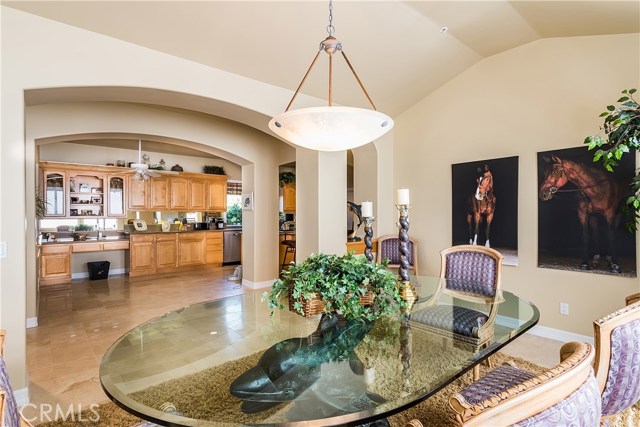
{"x": 214, "y": 248}
{"x": 116, "y": 196}
{"x": 197, "y": 194}
{"x": 191, "y": 249}
{"x": 142, "y": 255}
{"x": 54, "y": 193}
{"x": 55, "y": 264}
{"x": 179, "y": 194}
{"x": 289, "y": 198}
{"x": 166, "y": 251}
{"x": 159, "y": 194}
{"x": 86, "y": 194}
{"x": 217, "y": 194}
{"x": 137, "y": 193}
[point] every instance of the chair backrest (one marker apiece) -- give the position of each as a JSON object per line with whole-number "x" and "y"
{"x": 617, "y": 365}
{"x": 632, "y": 298}
{"x": 9, "y": 415}
{"x": 564, "y": 395}
{"x": 389, "y": 248}
{"x": 470, "y": 269}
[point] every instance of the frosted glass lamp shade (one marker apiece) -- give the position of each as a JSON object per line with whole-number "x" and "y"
{"x": 331, "y": 128}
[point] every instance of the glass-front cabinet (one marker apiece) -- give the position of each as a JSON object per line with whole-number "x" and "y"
{"x": 54, "y": 193}
{"x": 86, "y": 194}
{"x": 116, "y": 197}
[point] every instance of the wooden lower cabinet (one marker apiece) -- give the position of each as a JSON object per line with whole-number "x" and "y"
{"x": 166, "y": 251}
{"x": 191, "y": 249}
{"x": 55, "y": 264}
{"x": 142, "y": 255}
{"x": 169, "y": 252}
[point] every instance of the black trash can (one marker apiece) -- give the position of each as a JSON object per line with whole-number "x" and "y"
{"x": 98, "y": 270}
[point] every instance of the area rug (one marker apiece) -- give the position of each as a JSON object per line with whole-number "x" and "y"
{"x": 433, "y": 412}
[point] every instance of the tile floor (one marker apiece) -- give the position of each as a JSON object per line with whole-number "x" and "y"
{"x": 78, "y": 322}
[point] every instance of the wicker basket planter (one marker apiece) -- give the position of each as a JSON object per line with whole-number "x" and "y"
{"x": 318, "y": 306}
{"x": 349, "y": 282}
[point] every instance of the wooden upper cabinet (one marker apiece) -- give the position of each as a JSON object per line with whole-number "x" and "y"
{"x": 160, "y": 193}
{"x": 197, "y": 194}
{"x": 289, "y": 198}
{"x": 54, "y": 193}
{"x": 116, "y": 196}
{"x": 179, "y": 193}
{"x": 217, "y": 194}
{"x": 137, "y": 190}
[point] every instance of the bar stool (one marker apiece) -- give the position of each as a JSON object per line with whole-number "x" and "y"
{"x": 290, "y": 248}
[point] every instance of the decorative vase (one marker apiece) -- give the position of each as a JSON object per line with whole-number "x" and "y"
{"x": 176, "y": 168}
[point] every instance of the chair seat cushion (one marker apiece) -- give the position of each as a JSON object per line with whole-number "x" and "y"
{"x": 459, "y": 320}
{"x": 495, "y": 382}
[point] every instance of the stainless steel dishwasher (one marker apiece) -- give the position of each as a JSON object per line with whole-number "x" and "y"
{"x": 231, "y": 246}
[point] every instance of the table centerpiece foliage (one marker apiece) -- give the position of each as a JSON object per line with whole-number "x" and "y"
{"x": 351, "y": 285}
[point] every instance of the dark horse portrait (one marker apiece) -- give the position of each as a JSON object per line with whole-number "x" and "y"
{"x": 599, "y": 196}
{"x": 482, "y": 205}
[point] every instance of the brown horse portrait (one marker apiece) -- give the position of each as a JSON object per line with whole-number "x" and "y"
{"x": 482, "y": 204}
{"x": 599, "y": 194}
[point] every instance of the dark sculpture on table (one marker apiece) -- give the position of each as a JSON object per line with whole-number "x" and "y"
{"x": 357, "y": 210}
{"x": 289, "y": 368}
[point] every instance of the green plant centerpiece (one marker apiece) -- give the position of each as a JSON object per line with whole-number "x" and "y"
{"x": 213, "y": 170}
{"x": 621, "y": 129}
{"x": 340, "y": 282}
{"x": 286, "y": 178}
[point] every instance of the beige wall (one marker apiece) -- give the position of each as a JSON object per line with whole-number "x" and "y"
{"x": 542, "y": 96}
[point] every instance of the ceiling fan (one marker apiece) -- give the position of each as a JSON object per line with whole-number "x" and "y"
{"x": 142, "y": 171}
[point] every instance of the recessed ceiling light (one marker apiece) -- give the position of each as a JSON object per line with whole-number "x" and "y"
{"x": 443, "y": 30}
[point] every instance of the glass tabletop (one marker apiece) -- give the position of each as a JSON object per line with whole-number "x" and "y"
{"x": 230, "y": 362}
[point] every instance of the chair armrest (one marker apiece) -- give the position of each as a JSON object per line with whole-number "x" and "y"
{"x": 633, "y": 298}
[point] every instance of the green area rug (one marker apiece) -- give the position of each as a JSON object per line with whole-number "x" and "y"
{"x": 434, "y": 412}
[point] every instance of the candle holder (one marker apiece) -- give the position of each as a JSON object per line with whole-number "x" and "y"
{"x": 368, "y": 237}
{"x": 407, "y": 291}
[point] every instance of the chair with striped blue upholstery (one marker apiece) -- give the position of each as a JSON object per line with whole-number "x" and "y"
{"x": 10, "y": 416}
{"x": 617, "y": 365}
{"x": 471, "y": 273}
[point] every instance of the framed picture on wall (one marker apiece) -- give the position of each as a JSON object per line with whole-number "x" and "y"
{"x": 247, "y": 201}
{"x": 580, "y": 217}
{"x": 485, "y": 205}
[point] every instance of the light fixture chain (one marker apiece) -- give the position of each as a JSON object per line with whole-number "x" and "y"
{"x": 330, "y": 28}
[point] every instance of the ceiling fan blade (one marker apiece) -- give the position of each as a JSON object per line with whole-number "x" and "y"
{"x": 166, "y": 172}
{"x": 151, "y": 173}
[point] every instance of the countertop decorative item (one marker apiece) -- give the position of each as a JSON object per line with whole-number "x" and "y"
{"x": 140, "y": 225}
{"x": 213, "y": 170}
{"x": 176, "y": 168}
{"x": 340, "y": 282}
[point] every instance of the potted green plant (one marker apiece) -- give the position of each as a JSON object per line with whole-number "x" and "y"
{"x": 621, "y": 129}
{"x": 77, "y": 235}
{"x": 287, "y": 178}
{"x": 213, "y": 170}
{"x": 351, "y": 285}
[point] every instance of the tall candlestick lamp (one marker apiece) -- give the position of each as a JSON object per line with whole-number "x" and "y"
{"x": 407, "y": 291}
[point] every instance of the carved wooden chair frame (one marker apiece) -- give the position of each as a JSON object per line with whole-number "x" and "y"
{"x": 602, "y": 329}
{"x": 485, "y": 332}
{"x": 633, "y": 298}
{"x": 414, "y": 252}
{"x": 531, "y": 397}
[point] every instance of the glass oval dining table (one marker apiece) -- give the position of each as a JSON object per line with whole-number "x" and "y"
{"x": 231, "y": 362}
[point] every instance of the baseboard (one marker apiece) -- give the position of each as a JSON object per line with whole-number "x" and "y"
{"x": 85, "y": 274}
{"x": 32, "y": 322}
{"x": 558, "y": 334}
{"x": 257, "y": 285}
{"x": 22, "y": 396}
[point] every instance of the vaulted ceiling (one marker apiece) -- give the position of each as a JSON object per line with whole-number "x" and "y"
{"x": 399, "y": 49}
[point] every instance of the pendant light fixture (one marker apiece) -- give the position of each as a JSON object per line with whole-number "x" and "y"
{"x": 331, "y": 128}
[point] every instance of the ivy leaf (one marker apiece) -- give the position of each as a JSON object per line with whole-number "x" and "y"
{"x": 624, "y": 98}
{"x": 611, "y": 108}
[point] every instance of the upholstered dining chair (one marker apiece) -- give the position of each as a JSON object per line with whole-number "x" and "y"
{"x": 617, "y": 363}
{"x": 389, "y": 248}
{"x": 10, "y": 416}
{"x": 632, "y": 298}
{"x": 472, "y": 273}
{"x": 566, "y": 394}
